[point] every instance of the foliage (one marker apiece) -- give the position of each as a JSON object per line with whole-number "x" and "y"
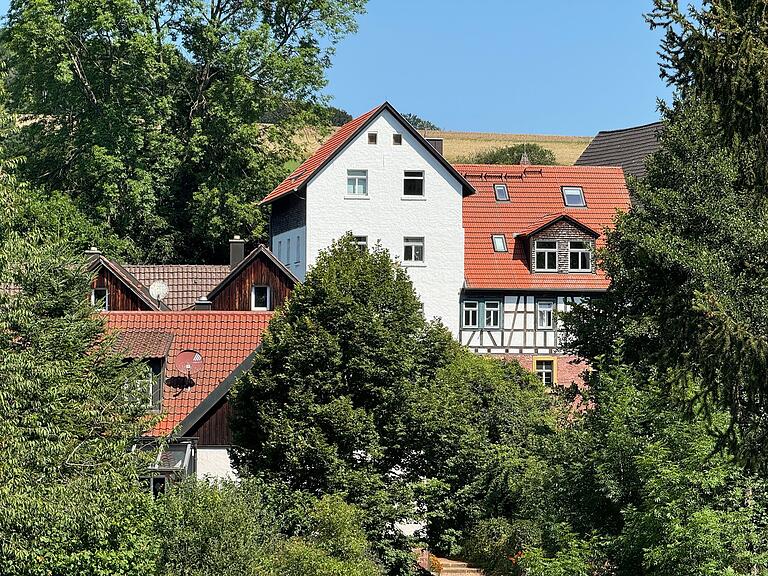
{"x": 338, "y": 117}
{"x": 147, "y": 114}
{"x": 536, "y": 153}
{"x": 329, "y": 405}
{"x": 420, "y": 123}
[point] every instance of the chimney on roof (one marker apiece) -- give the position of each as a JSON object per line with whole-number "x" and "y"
{"x": 524, "y": 160}
{"x": 92, "y": 250}
{"x": 203, "y": 303}
{"x": 236, "y": 252}
{"x": 437, "y": 144}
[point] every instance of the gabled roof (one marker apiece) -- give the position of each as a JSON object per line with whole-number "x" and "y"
{"x": 549, "y": 219}
{"x": 299, "y": 178}
{"x": 186, "y": 282}
{"x": 627, "y": 148}
{"x": 535, "y": 196}
{"x": 260, "y": 251}
{"x": 97, "y": 260}
{"x": 224, "y": 339}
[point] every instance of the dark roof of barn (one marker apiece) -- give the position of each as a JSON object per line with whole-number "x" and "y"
{"x": 627, "y": 148}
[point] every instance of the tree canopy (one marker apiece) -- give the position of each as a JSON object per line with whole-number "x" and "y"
{"x": 536, "y": 154}
{"x": 419, "y": 123}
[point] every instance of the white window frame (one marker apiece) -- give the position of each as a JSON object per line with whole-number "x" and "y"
{"x": 542, "y": 373}
{"x": 253, "y": 298}
{"x": 537, "y": 250}
{"x": 414, "y": 242}
{"x": 359, "y": 180}
{"x": 95, "y": 300}
{"x": 547, "y": 309}
{"x": 581, "y": 252}
{"x": 492, "y": 306}
{"x": 496, "y": 188}
{"x": 361, "y": 241}
{"x": 582, "y": 202}
{"x": 471, "y": 307}
{"x": 499, "y": 243}
{"x": 410, "y": 175}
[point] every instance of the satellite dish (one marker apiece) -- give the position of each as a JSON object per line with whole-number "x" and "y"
{"x": 158, "y": 290}
{"x": 189, "y": 362}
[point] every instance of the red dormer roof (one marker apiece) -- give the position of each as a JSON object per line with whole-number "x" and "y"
{"x": 348, "y": 132}
{"x": 535, "y": 202}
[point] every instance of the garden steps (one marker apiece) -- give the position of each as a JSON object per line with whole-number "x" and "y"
{"x": 458, "y": 568}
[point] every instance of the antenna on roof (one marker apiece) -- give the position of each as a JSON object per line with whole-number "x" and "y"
{"x": 158, "y": 290}
{"x": 189, "y": 362}
{"x": 524, "y": 160}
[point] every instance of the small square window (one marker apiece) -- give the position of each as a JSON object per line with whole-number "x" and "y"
{"x": 362, "y": 242}
{"x": 499, "y": 243}
{"x": 545, "y": 370}
{"x": 413, "y": 183}
{"x": 100, "y": 298}
{"x": 579, "y": 256}
{"x": 413, "y": 249}
{"x": 260, "y": 298}
{"x": 573, "y": 196}
{"x": 545, "y": 256}
{"x": 357, "y": 182}
{"x": 492, "y": 315}
{"x": 469, "y": 316}
{"x": 544, "y": 309}
{"x": 372, "y": 138}
{"x": 502, "y": 194}
{"x": 397, "y": 139}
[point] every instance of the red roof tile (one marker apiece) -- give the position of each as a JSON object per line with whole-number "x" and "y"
{"x": 224, "y": 339}
{"x": 186, "y": 282}
{"x": 143, "y": 344}
{"x": 535, "y": 197}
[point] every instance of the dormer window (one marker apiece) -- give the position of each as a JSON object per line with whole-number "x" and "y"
{"x": 372, "y": 138}
{"x": 573, "y": 196}
{"x": 261, "y": 298}
{"x": 100, "y": 298}
{"x": 152, "y": 382}
{"x": 545, "y": 257}
{"x": 502, "y": 194}
{"x": 579, "y": 256}
{"x": 499, "y": 243}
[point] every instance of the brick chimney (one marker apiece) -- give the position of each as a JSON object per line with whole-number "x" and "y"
{"x": 236, "y": 252}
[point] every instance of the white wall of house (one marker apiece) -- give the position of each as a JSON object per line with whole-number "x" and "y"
{"x": 385, "y": 215}
{"x": 213, "y": 462}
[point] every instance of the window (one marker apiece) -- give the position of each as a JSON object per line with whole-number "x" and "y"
{"x": 279, "y": 249}
{"x": 100, "y": 298}
{"x": 372, "y": 138}
{"x": 546, "y": 255}
{"x": 499, "y": 243}
{"x": 469, "y": 315}
{"x": 357, "y": 182}
{"x": 544, "y": 320}
{"x": 152, "y": 382}
{"x": 413, "y": 183}
{"x": 397, "y": 139}
{"x": 260, "y": 298}
{"x": 573, "y": 196}
{"x": 413, "y": 249}
{"x": 362, "y": 242}
{"x": 288, "y": 251}
{"x": 298, "y": 250}
{"x": 580, "y": 256}
{"x": 545, "y": 370}
{"x": 502, "y": 194}
{"x": 492, "y": 315}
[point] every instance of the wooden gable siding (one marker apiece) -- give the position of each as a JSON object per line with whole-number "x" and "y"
{"x": 236, "y": 295}
{"x": 213, "y": 429}
{"x": 120, "y": 297}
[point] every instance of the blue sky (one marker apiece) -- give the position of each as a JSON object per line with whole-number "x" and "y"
{"x": 538, "y": 67}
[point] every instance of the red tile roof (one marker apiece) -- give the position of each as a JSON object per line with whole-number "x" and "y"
{"x": 186, "y": 282}
{"x": 224, "y": 339}
{"x": 144, "y": 344}
{"x": 535, "y": 196}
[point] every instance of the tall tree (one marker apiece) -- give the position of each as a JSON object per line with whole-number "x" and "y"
{"x": 148, "y": 113}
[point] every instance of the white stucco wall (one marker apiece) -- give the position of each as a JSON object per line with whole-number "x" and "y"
{"x": 386, "y": 217}
{"x": 213, "y": 462}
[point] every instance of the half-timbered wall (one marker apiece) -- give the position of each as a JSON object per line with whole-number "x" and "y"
{"x": 519, "y": 332}
{"x": 119, "y": 297}
{"x": 236, "y": 295}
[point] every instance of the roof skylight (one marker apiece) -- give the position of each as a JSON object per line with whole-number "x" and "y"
{"x": 502, "y": 194}
{"x": 573, "y": 196}
{"x": 499, "y": 243}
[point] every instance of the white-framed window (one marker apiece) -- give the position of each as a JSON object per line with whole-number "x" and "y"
{"x": 499, "y": 243}
{"x": 372, "y": 138}
{"x": 492, "y": 315}
{"x": 469, "y": 314}
{"x": 502, "y": 194}
{"x": 100, "y": 298}
{"x": 413, "y": 183}
{"x": 261, "y": 297}
{"x": 544, "y": 314}
{"x": 298, "y": 250}
{"x": 152, "y": 381}
{"x": 397, "y": 139}
{"x": 545, "y": 255}
{"x": 357, "y": 182}
{"x": 573, "y": 196}
{"x": 579, "y": 256}
{"x": 362, "y": 242}
{"x": 545, "y": 370}
{"x": 413, "y": 249}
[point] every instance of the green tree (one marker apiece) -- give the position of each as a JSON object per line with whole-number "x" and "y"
{"x": 148, "y": 114}
{"x": 420, "y": 123}
{"x": 329, "y": 405}
{"x": 536, "y": 153}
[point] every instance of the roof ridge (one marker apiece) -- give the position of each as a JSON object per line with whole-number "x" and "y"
{"x": 657, "y": 123}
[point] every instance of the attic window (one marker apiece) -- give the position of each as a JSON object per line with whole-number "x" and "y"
{"x": 397, "y": 139}
{"x": 100, "y": 298}
{"x": 502, "y": 194}
{"x": 573, "y": 196}
{"x": 372, "y": 138}
{"x": 260, "y": 298}
{"x": 499, "y": 243}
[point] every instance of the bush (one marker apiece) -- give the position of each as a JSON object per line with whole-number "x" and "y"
{"x": 512, "y": 154}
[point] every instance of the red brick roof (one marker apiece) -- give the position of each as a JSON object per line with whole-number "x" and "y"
{"x": 224, "y": 339}
{"x": 186, "y": 282}
{"x": 535, "y": 197}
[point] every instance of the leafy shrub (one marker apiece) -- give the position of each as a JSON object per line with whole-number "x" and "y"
{"x": 512, "y": 154}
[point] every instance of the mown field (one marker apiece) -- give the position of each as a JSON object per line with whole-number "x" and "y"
{"x": 459, "y": 145}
